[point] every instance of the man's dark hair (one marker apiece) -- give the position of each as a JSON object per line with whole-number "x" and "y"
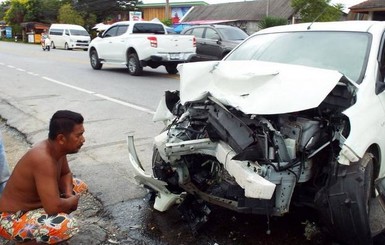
{"x": 63, "y": 122}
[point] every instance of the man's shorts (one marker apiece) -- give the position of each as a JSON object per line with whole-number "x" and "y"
{"x": 38, "y": 225}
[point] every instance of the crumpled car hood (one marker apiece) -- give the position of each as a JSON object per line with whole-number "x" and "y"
{"x": 256, "y": 87}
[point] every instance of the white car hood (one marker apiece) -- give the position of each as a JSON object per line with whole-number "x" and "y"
{"x": 256, "y": 87}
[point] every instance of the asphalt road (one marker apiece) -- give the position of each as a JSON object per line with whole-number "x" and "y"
{"x": 34, "y": 84}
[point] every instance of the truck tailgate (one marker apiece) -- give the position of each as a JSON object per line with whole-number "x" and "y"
{"x": 175, "y": 43}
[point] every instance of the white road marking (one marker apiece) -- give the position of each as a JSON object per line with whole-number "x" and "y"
{"x": 120, "y": 102}
{"x": 139, "y": 108}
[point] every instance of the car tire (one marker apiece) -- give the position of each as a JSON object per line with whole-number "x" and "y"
{"x": 53, "y": 45}
{"x": 66, "y": 46}
{"x": 344, "y": 203}
{"x": 133, "y": 65}
{"x": 171, "y": 69}
{"x": 94, "y": 60}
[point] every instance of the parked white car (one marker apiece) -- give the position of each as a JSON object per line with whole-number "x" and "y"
{"x": 294, "y": 114}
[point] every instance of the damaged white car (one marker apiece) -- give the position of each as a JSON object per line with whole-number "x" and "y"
{"x": 294, "y": 114}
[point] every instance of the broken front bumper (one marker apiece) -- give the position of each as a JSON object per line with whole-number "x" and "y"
{"x": 164, "y": 199}
{"x": 255, "y": 186}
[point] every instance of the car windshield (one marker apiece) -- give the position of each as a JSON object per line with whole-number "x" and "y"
{"x": 233, "y": 34}
{"x": 78, "y": 32}
{"x": 345, "y": 52}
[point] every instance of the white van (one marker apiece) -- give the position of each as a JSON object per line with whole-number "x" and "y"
{"x": 68, "y": 36}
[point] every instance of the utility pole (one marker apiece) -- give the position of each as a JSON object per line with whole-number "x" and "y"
{"x": 267, "y": 7}
{"x": 167, "y": 12}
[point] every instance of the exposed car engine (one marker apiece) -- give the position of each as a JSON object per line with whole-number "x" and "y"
{"x": 282, "y": 149}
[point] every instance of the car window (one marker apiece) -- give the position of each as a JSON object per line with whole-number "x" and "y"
{"x": 148, "y": 28}
{"x": 188, "y": 32}
{"x": 79, "y": 32}
{"x": 211, "y": 34}
{"x": 345, "y": 52}
{"x": 233, "y": 33}
{"x": 382, "y": 59}
{"x": 198, "y": 32}
{"x": 67, "y": 32}
{"x": 57, "y": 32}
{"x": 111, "y": 32}
{"x": 121, "y": 30}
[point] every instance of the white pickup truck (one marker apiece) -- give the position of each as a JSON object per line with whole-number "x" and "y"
{"x": 139, "y": 44}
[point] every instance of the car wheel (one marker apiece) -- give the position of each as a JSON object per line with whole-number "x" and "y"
{"x": 53, "y": 45}
{"x": 94, "y": 60}
{"x": 171, "y": 69}
{"x": 66, "y": 46}
{"x": 133, "y": 64}
{"x": 344, "y": 203}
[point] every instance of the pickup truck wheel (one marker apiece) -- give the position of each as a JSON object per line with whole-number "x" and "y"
{"x": 94, "y": 60}
{"x": 171, "y": 69}
{"x": 344, "y": 203}
{"x": 133, "y": 64}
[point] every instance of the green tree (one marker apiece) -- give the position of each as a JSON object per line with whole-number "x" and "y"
{"x": 167, "y": 22}
{"x": 3, "y": 7}
{"x": 89, "y": 20}
{"x": 15, "y": 14}
{"x": 102, "y": 9}
{"x": 50, "y": 10}
{"x": 270, "y": 21}
{"x": 68, "y": 15}
{"x": 317, "y": 10}
{"x": 33, "y": 11}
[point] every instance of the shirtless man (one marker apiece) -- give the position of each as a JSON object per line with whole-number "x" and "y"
{"x": 41, "y": 191}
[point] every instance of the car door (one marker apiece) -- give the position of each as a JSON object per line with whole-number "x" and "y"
{"x": 211, "y": 44}
{"x": 119, "y": 44}
{"x": 198, "y": 33}
{"x": 105, "y": 44}
{"x": 113, "y": 44}
{"x": 380, "y": 81}
{"x": 375, "y": 108}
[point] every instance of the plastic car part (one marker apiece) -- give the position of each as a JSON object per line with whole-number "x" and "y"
{"x": 344, "y": 202}
{"x": 164, "y": 198}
